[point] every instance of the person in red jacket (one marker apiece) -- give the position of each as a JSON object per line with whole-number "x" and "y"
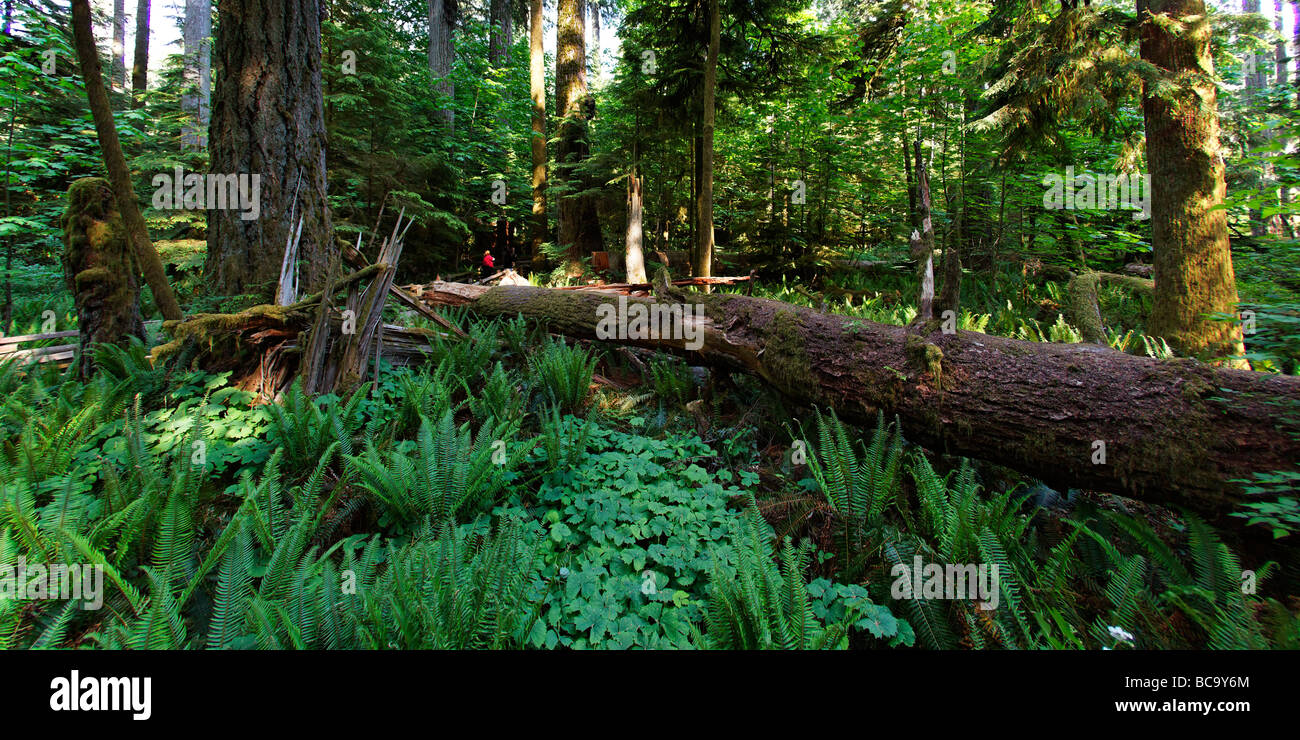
{"x": 488, "y": 268}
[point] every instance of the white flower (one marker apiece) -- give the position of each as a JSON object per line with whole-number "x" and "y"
{"x": 1119, "y": 633}
{"x": 564, "y": 572}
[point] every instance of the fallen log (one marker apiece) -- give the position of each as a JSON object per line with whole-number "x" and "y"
{"x": 1172, "y": 432}
{"x": 626, "y": 288}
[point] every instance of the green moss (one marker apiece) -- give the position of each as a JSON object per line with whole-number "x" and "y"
{"x": 784, "y": 355}
{"x": 214, "y": 328}
{"x": 924, "y": 356}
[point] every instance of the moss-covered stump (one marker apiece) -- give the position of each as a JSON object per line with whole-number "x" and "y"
{"x": 100, "y": 269}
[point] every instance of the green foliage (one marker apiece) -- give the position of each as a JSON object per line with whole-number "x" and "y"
{"x": 634, "y": 534}
{"x": 305, "y": 427}
{"x": 561, "y": 374}
{"x": 765, "y": 607}
{"x": 1282, "y": 513}
{"x": 453, "y": 473}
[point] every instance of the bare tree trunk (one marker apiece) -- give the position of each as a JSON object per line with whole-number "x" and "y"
{"x": 499, "y": 33}
{"x": 1189, "y": 232}
{"x": 196, "y": 100}
{"x": 635, "y": 257}
{"x": 140, "y": 71}
{"x": 593, "y": 7}
{"x": 537, "y": 90}
{"x": 1295, "y": 39}
{"x": 1283, "y": 223}
{"x": 118, "y": 69}
{"x": 268, "y": 120}
{"x": 704, "y": 202}
{"x": 923, "y": 239}
{"x": 442, "y": 20}
{"x": 1255, "y": 81}
{"x": 93, "y": 76}
{"x": 1077, "y": 415}
{"x": 579, "y": 232}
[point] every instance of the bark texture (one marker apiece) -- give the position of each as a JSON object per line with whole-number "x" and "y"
{"x": 1193, "y": 265}
{"x": 708, "y": 119}
{"x": 196, "y": 100}
{"x": 1175, "y": 432}
{"x": 442, "y": 20}
{"x": 635, "y": 256}
{"x": 579, "y": 228}
{"x": 118, "y": 70}
{"x": 100, "y": 269}
{"x": 268, "y": 120}
{"x": 140, "y": 68}
{"x": 537, "y": 90}
{"x": 499, "y": 33}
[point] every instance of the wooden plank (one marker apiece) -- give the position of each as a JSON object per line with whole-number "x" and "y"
{"x": 37, "y": 337}
{"x": 45, "y": 354}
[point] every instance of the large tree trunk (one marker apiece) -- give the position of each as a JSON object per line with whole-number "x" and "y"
{"x": 499, "y": 33}
{"x": 1295, "y": 39}
{"x": 100, "y": 270}
{"x": 593, "y": 8}
{"x": 537, "y": 90}
{"x": 114, "y": 161}
{"x": 442, "y": 19}
{"x": 579, "y": 229}
{"x": 268, "y": 120}
{"x": 196, "y": 99}
{"x": 1169, "y": 432}
{"x": 1189, "y": 232}
{"x": 140, "y": 70}
{"x": 118, "y": 69}
{"x": 704, "y": 198}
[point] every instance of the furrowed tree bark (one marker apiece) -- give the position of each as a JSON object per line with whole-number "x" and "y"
{"x": 140, "y": 68}
{"x": 268, "y": 119}
{"x": 196, "y": 99}
{"x": 704, "y": 198}
{"x": 1189, "y": 232}
{"x": 118, "y": 69}
{"x": 1175, "y": 432}
{"x": 579, "y": 228}
{"x": 442, "y": 20}
{"x": 114, "y": 161}
{"x": 499, "y": 33}
{"x": 537, "y": 90}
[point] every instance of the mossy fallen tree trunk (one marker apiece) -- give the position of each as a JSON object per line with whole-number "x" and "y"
{"x": 1169, "y": 432}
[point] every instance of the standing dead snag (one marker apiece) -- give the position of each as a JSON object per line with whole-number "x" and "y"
{"x": 100, "y": 269}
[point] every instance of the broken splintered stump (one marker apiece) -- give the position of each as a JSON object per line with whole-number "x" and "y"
{"x": 100, "y": 269}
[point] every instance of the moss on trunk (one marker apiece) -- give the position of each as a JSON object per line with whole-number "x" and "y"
{"x": 100, "y": 268}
